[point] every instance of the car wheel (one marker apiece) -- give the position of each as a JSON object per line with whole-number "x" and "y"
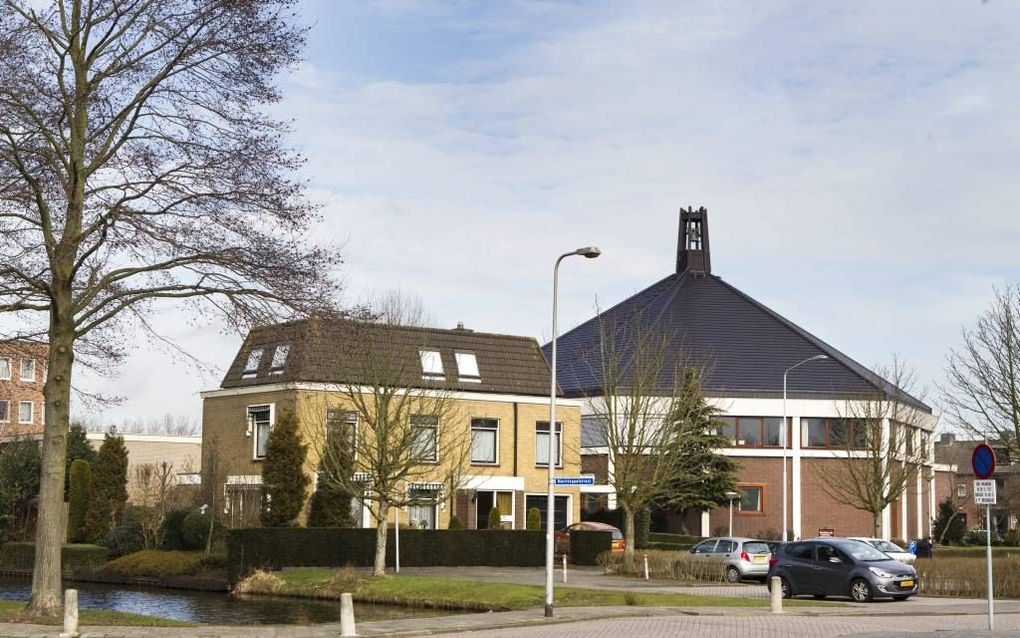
{"x": 786, "y": 587}
{"x": 860, "y": 591}
{"x": 732, "y": 575}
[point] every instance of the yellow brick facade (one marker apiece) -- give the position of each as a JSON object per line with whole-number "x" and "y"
{"x": 226, "y": 435}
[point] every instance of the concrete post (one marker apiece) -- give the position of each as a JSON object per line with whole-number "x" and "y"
{"x": 347, "y": 625}
{"x": 564, "y": 568}
{"x": 70, "y": 614}
{"x": 776, "y": 595}
{"x": 646, "y": 566}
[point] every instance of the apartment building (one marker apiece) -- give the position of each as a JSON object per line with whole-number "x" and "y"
{"x": 22, "y": 376}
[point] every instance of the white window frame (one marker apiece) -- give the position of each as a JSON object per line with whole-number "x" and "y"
{"x": 467, "y": 366}
{"x": 255, "y": 428}
{"x": 250, "y": 372}
{"x": 352, "y": 419}
{"x": 31, "y": 412}
{"x": 431, "y": 364}
{"x": 10, "y": 371}
{"x": 961, "y": 490}
{"x": 552, "y": 432}
{"x": 7, "y": 418}
{"x": 278, "y": 364}
{"x": 435, "y": 439}
{"x": 472, "y": 460}
{"x": 21, "y": 371}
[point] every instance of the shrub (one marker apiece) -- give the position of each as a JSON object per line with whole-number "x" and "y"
{"x": 284, "y": 482}
{"x": 79, "y": 495}
{"x": 948, "y": 526}
{"x": 155, "y": 564}
{"x": 966, "y": 577}
{"x": 275, "y": 548}
{"x": 668, "y": 566}
{"x": 195, "y": 530}
{"x": 21, "y": 556}
{"x": 78, "y": 447}
{"x": 109, "y": 487}
{"x": 455, "y": 523}
{"x": 495, "y": 517}
{"x": 330, "y": 507}
{"x": 587, "y": 546}
{"x": 259, "y": 582}
{"x": 127, "y": 537}
{"x": 173, "y": 529}
{"x": 534, "y": 519}
{"x": 642, "y": 526}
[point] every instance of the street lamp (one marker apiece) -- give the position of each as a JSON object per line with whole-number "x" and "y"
{"x": 589, "y": 252}
{"x": 817, "y": 357}
{"x": 731, "y": 496}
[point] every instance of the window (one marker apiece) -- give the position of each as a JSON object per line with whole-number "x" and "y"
{"x": 801, "y": 551}
{"x": 541, "y": 502}
{"x": 425, "y": 445}
{"x": 467, "y": 366}
{"x": 342, "y": 424}
{"x": 279, "y": 358}
{"x": 27, "y": 372}
{"x": 908, "y": 435}
{"x": 704, "y": 547}
{"x": 751, "y": 431}
{"x": 26, "y": 411}
{"x": 260, "y": 422}
{"x": 542, "y": 443}
{"x": 725, "y": 547}
{"x": 5, "y": 369}
{"x": 961, "y": 490}
{"x": 484, "y": 440}
{"x": 5, "y": 410}
{"x": 431, "y": 364}
{"x": 751, "y": 499}
{"x": 924, "y": 444}
{"x": 251, "y": 367}
{"x": 833, "y": 433}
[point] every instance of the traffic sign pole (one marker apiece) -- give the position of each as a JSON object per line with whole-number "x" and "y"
{"x": 982, "y": 461}
{"x": 988, "y": 556}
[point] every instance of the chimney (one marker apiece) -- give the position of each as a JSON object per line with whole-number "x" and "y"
{"x": 692, "y": 253}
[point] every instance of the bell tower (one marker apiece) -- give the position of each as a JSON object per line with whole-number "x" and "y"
{"x": 692, "y": 252}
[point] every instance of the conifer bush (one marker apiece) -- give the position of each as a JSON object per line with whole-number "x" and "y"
{"x": 79, "y": 495}
{"x": 109, "y": 488}
{"x": 494, "y": 519}
{"x": 284, "y": 482}
{"x": 534, "y": 521}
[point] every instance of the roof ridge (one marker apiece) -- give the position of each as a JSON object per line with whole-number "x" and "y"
{"x": 301, "y": 323}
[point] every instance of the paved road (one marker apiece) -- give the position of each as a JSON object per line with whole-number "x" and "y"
{"x": 764, "y": 627}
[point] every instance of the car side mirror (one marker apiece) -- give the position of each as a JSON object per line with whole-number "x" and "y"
{"x": 836, "y": 560}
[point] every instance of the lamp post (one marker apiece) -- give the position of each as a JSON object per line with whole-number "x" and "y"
{"x": 589, "y": 252}
{"x": 786, "y": 436}
{"x": 730, "y": 496}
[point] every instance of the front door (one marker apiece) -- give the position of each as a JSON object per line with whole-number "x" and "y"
{"x": 483, "y": 503}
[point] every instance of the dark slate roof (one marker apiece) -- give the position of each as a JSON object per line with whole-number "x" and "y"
{"x": 743, "y": 345}
{"x": 341, "y": 351}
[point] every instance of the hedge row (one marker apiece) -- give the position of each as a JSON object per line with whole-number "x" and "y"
{"x": 680, "y": 539}
{"x": 275, "y": 548}
{"x": 21, "y": 556}
{"x": 587, "y": 546}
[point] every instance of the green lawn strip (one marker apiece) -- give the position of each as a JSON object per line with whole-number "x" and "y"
{"x": 10, "y": 611}
{"x": 426, "y": 591}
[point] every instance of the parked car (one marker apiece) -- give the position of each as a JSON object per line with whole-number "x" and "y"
{"x": 745, "y": 557}
{"x": 562, "y": 537}
{"x": 841, "y": 567}
{"x": 893, "y": 550}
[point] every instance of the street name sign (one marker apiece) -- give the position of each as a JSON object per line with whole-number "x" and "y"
{"x": 984, "y": 492}
{"x": 575, "y": 480}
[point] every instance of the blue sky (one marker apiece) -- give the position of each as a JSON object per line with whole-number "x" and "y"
{"x": 858, "y": 161}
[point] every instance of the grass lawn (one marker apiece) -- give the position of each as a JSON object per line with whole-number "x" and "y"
{"x": 451, "y": 593}
{"x": 10, "y": 612}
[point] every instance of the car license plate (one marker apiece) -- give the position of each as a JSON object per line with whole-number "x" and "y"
{"x": 760, "y": 559}
{"x": 907, "y": 584}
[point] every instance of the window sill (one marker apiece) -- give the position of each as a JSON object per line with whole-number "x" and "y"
{"x": 739, "y": 513}
{"x": 485, "y": 463}
{"x": 545, "y": 466}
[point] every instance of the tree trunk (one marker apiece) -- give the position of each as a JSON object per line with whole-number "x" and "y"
{"x": 380, "y": 540}
{"x": 46, "y": 583}
{"x": 875, "y": 525}
{"x": 628, "y": 534}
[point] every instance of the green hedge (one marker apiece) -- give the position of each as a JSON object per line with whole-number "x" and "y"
{"x": 275, "y": 548}
{"x": 21, "y": 556}
{"x": 587, "y": 546}
{"x": 681, "y": 539}
{"x": 669, "y": 547}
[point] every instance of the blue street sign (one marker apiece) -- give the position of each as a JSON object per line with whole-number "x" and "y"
{"x": 574, "y": 480}
{"x": 983, "y": 461}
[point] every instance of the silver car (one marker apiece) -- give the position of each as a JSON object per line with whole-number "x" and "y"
{"x": 744, "y": 557}
{"x": 894, "y": 551}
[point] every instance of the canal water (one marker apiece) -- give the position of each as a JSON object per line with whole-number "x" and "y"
{"x": 212, "y": 607}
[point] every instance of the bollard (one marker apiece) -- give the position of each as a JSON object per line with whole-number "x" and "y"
{"x": 776, "y": 595}
{"x": 70, "y": 614}
{"x": 646, "y": 566}
{"x": 347, "y": 626}
{"x": 564, "y": 568}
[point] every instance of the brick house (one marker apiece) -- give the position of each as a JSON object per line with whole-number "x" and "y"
{"x": 498, "y": 385}
{"x": 955, "y": 454}
{"x": 748, "y": 347}
{"x": 22, "y": 376}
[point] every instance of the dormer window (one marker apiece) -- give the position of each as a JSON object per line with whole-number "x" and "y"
{"x": 251, "y": 368}
{"x": 279, "y": 358}
{"x": 467, "y": 366}
{"x": 431, "y": 364}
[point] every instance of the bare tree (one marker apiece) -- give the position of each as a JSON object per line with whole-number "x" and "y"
{"x": 398, "y": 307}
{"x": 155, "y": 487}
{"x": 213, "y": 490}
{"x": 406, "y": 427}
{"x": 982, "y": 391}
{"x": 883, "y": 440}
{"x": 137, "y": 165}
{"x": 652, "y": 418}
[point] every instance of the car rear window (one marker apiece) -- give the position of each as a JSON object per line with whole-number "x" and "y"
{"x": 757, "y": 548}
{"x": 617, "y": 535}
